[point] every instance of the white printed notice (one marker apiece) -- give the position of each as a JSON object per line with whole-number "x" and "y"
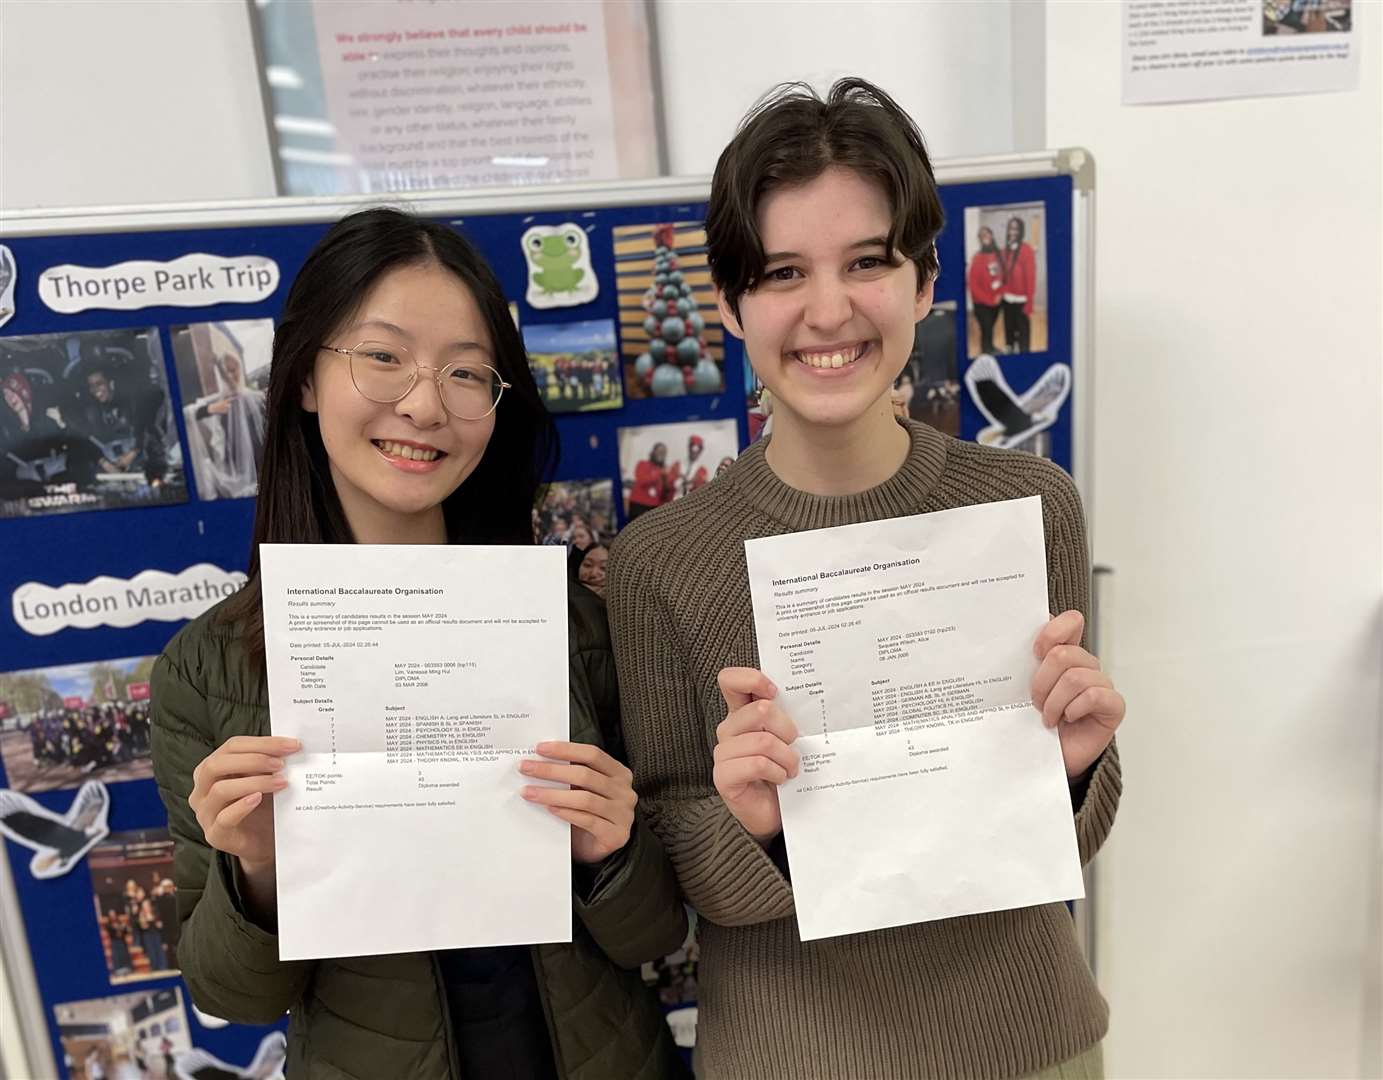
{"x": 483, "y": 93}
{"x": 1202, "y": 50}
{"x": 902, "y": 650}
{"x": 416, "y": 677}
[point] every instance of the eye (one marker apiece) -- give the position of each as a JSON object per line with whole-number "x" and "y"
{"x": 871, "y": 262}
{"x": 470, "y": 375}
{"x": 535, "y": 242}
{"x": 782, "y": 273}
{"x": 378, "y": 354}
{"x": 573, "y": 240}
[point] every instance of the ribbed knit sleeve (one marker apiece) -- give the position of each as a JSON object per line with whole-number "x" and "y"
{"x": 722, "y": 870}
{"x": 1068, "y": 588}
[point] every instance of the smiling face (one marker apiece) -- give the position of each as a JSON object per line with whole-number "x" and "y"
{"x": 404, "y": 457}
{"x": 830, "y": 324}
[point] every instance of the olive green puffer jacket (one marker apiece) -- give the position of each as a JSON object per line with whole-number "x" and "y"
{"x": 374, "y": 1017}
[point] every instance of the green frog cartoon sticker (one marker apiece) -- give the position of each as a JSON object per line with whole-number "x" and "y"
{"x": 559, "y": 266}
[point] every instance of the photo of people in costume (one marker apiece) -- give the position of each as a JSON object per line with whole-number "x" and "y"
{"x": 223, "y": 372}
{"x": 136, "y": 905}
{"x": 660, "y": 463}
{"x": 1006, "y": 279}
{"x": 86, "y": 424}
{"x": 575, "y": 365}
{"x": 670, "y": 332}
{"x": 63, "y": 725}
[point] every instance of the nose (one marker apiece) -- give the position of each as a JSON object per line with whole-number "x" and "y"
{"x": 827, "y": 304}
{"x": 423, "y": 402}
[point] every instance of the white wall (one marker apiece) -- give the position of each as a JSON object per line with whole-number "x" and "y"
{"x": 138, "y": 101}
{"x": 719, "y": 56}
{"x": 1239, "y": 495}
{"x": 131, "y": 101}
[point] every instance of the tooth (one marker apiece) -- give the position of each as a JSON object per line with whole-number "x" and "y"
{"x": 837, "y": 360}
{"x": 410, "y": 453}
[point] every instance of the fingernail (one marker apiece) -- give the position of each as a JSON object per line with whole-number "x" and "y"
{"x": 280, "y": 782}
{"x": 527, "y": 793}
{"x": 525, "y": 766}
{"x": 276, "y": 763}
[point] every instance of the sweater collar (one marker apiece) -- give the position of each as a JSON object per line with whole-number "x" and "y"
{"x": 901, "y": 494}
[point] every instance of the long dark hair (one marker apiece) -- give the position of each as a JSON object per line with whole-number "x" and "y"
{"x": 1008, "y": 255}
{"x": 297, "y": 499}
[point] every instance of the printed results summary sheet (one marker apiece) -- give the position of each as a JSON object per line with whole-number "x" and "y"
{"x": 903, "y": 651}
{"x": 416, "y": 677}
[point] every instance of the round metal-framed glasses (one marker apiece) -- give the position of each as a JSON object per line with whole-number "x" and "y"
{"x": 469, "y": 389}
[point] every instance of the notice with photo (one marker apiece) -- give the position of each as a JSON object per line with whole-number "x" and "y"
{"x": 416, "y": 678}
{"x": 1188, "y": 50}
{"x": 903, "y": 651}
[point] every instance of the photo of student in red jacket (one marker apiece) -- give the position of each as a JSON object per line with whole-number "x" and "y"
{"x": 1006, "y": 278}
{"x": 984, "y": 280}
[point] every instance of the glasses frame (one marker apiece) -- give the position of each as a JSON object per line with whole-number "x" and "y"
{"x": 418, "y": 366}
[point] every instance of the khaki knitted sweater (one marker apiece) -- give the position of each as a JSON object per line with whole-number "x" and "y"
{"x": 994, "y": 995}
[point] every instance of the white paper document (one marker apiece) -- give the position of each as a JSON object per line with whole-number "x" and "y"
{"x": 903, "y": 651}
{"x": 416, "y": 678}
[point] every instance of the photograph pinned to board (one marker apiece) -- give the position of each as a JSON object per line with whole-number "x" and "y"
{"x": 136, "y": 904}
{"x": 8, "y": 275}
{"x": 267, "y": 1064}
{"x": 670, "y": 332}
{"x": 139, "y": 1034}
{"x": 1006, "y": 279}
{"x": 559, "y": 266}
{"x": 223, "y": 376}
{"x": 660, "y": 463}
{"x": 581, "y": 515}
{"x": 86, "y": 424}
{"x": 66, "y": 724}
{"x": 58, "y": 841}
{"x": 927, "y": 388}
{"x": 577, "y": 513}
{"x": 575, "y": 365}
{"x": 1015, "y": 418}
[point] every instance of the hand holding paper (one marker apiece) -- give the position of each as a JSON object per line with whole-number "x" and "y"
{"x": 904, "y": 651}
{"x": 1072, "y": 691}
{"x": 753, "y": 754}
{"x": 599, "y": 804}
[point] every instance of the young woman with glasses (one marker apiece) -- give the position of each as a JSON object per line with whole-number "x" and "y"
{"x": 401, "y": 411}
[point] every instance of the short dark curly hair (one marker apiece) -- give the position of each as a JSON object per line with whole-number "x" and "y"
{"x": 791, "y": 137}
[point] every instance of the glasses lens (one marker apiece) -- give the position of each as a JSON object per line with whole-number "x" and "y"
{"x": 381, "y": 372}
{"x": 470, "y": 390}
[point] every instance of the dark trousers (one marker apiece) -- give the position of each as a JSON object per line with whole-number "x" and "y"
{"x": 1017, "y": 327}
{"x": 987, "y": 315}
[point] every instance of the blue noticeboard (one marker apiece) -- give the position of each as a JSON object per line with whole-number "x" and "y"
{"x": 117, "y": 467}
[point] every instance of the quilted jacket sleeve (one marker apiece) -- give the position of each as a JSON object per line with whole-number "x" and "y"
{"x": 631, "y": 907}
{"x": 230, "y": 965}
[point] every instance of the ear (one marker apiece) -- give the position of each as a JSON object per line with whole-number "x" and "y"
{"x": 309, "y": 396}
{"x": 727, "y": 316}
{"x": 924, "y": 301}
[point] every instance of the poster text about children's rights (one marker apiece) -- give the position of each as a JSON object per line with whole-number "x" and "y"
{"x": 446, "y": 95}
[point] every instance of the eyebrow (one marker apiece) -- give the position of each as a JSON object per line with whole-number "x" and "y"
{"x": 455, "y": 346}
{"x": 872, "y": 242}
